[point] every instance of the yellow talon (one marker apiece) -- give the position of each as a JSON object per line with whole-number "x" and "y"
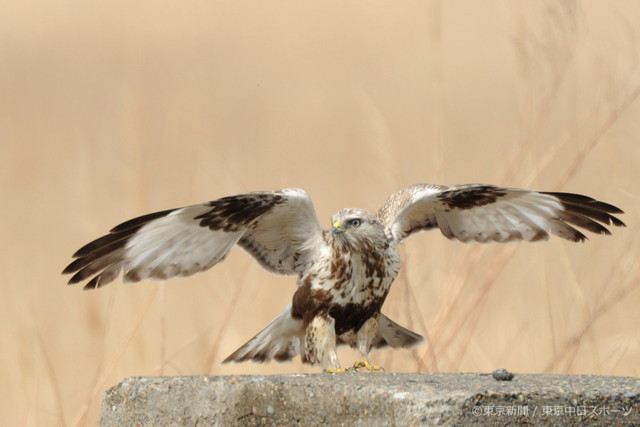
{"x": 336, "y": 371}
{"x": 368, "y": 366}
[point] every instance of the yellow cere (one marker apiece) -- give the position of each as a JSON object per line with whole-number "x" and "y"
{"x": 336, "y": 224}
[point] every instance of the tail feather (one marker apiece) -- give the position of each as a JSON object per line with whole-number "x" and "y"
{"x": 393, "y": 335}
{"x": 280, "y": 340}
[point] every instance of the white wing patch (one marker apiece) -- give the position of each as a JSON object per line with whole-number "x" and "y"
{"x": 507, "y": 220}
{"x": 175, "y": 245}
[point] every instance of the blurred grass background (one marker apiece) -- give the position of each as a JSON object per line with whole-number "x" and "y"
{"x": 109, "y": 110}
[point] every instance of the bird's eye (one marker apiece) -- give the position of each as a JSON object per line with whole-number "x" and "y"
{"x": 355, "y": 222}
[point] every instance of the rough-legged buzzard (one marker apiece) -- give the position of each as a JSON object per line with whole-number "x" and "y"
{"x": 344, "y": 274}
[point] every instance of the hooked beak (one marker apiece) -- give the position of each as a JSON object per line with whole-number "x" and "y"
{"x": 336, "y": 228}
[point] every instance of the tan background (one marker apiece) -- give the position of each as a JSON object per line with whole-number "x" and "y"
{"x": 110, "y": 110}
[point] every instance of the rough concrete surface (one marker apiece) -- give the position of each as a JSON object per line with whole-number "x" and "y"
{"x": 373, "y": 399}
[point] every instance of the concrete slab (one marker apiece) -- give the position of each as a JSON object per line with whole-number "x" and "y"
{"x": 373, "y": 399}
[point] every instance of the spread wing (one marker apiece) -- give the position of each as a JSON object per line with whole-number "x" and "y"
{"x": 485, "y": 213}
{"x": 279, "y": 229}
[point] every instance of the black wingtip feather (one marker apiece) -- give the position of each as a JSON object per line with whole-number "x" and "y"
{"x": 580, "y": 199}
{"x": 579, "y": 237}
{"x": 93, "y": 284}
{"x": 588, "y": 213}
{"x": 86, "y": 257}
{"x": 79, "y": 276}
{"x": 100, "y": 242}
{"x": 138, "y": 222}
{"x": 616, "y": 222}
{"x": 71, "y": 268}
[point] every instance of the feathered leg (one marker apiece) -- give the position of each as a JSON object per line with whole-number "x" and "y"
{"x": 364, "y": 337}
{"x": 320, "y": 343}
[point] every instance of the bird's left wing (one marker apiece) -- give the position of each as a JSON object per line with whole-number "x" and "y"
{"x": 486, "y": 213}
{"x": 279, "y": 229}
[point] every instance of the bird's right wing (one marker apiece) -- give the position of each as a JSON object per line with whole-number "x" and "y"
{"x": 279, "y": 229}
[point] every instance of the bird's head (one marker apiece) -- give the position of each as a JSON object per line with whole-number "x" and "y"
{"x": 353, "y": 224}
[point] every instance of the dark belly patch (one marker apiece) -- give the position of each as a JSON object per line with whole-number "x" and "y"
{"x": 308, "y": 303}
{"x": 352, "y": 316}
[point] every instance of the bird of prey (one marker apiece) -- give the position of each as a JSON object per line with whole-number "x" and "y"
{"x": 344, "y": 273}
